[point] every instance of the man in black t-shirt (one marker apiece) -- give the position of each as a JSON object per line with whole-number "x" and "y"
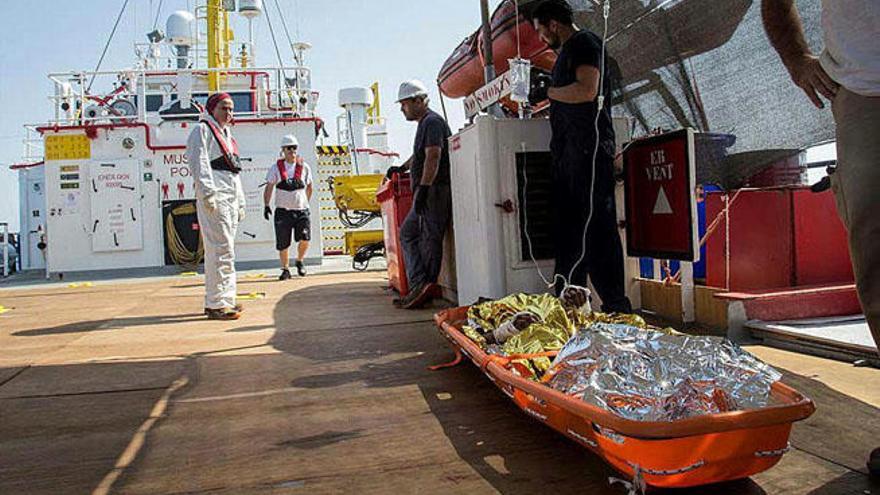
{"x": 421, "y": 234}
{"x": 576, "y": 112}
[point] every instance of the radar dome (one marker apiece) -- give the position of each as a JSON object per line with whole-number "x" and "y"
{"x": 179, "y": 28}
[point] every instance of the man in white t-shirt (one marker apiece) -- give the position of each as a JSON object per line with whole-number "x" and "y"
{"x": 846, "y": 73}
{"x": 292, "y": 177}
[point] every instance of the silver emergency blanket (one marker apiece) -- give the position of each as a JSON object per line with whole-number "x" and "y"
{"x": 645, "y": 375}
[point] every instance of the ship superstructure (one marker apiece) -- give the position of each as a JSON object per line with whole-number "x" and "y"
{"x": 107, "y": 184}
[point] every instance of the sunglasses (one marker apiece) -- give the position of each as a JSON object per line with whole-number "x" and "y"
{"x": 290, "y": 148}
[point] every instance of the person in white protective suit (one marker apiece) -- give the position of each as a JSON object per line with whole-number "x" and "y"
{"x": 213, "y": 157}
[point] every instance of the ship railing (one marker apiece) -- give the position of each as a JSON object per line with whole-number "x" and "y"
{"x": 154, "y": 56}
{"x": 32, "y": 144}
{"x": 277, "y": 90}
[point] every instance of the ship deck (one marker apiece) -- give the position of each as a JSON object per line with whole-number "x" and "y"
{"x": 321, "y": 387}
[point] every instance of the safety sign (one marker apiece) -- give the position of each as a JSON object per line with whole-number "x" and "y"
{"x": 659, "y": 176}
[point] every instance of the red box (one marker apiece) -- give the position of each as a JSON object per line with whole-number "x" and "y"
{"x": 821, "y": 248}
{"x": 781, "y": 237}
{"x": 395, "y": 198}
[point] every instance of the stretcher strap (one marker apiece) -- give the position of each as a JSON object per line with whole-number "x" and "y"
{"x": 638, "y": 486}
{"x": 582, "y": 438}
{"x": 450, "y": 364}
{"x": 668, "y": 472}
{"x": 505, "y": 361}
{"x": 773, "y": 453}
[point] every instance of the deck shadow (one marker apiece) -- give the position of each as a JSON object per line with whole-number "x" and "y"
{"x": 487, "y": 430}
{"x": 67, "y": 438}
{"x": 504, "y": 447}
{"x": 110, "y": 324}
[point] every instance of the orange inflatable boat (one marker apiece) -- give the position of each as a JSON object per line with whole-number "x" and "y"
{"x": 462, "y": 73}
{"x": 689, "y": 452}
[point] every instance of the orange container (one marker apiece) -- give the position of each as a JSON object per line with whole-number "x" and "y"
{"x": 690, "y": 452}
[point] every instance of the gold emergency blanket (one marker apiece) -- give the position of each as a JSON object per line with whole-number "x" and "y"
{"x": 557, "y": 323}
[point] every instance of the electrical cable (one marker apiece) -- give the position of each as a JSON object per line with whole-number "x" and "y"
{"x": 442, "y": 102}
{"x": 286, "y": 31}
{"x": 277, "y": 51}
{"x": 357, "y": 219}
{"x": 158, "y": 11}
{"x": 525, "y": 208}
{"x": 361, "y": 259}
{"x": 107, "y": 45}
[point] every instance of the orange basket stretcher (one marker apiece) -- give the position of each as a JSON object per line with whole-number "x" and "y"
{"x": 690, "y": 452}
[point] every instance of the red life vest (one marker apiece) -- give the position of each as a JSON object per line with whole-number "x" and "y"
{"x": 282, "y": 169}
{"x": 230, "y": 158}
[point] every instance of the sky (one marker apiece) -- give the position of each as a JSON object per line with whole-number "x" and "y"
{"x": 355, "y": 43}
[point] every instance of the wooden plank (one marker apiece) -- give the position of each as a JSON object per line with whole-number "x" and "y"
{"x": 711, "y": 311}
{"x": 665, "y": 300}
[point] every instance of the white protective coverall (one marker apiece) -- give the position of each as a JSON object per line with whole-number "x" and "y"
{"x": 218, "y": 225}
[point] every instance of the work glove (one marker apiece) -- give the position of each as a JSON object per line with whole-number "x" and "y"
{"x": 541, "y": 83}
{"x": 420, "y": 199}
{"x": 394, "y": 170}
{"x": 210, "y": 203}
{"x": 267, "y": 212}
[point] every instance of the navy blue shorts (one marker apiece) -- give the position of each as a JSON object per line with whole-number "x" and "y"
{"x": 295, "y": 222}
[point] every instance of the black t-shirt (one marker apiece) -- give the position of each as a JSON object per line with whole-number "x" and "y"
{"x": 432, "y": 131}
{"x": 583, "y": 48}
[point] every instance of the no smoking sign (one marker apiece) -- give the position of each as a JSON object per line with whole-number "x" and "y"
{"x": 660, "y": 202}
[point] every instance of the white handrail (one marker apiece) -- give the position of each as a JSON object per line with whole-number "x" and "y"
{"x": 279, "y": 91}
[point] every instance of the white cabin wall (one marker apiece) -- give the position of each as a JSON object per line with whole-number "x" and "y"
{"x": 69, "y": 221}
{"x": 69, "y": 210}
{"x": 261, "y": 144}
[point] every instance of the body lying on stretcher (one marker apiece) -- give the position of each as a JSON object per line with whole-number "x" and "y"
{"x": 618, "y": 361}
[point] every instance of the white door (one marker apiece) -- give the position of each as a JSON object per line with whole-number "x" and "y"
{"x": 255, "y": 228}
{"x": 525, "y": 174}
{"x": 115, "y": 192}
{"x": 36, "y": 223}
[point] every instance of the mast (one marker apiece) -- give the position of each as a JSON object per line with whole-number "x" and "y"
{"x": 219, "y": 36}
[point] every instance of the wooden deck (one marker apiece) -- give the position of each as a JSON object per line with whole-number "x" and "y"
{"x": 321, "y": 387}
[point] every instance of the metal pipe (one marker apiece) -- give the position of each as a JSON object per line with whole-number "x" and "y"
{"x": 488, "y": 55}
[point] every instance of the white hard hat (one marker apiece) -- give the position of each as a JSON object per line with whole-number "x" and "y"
{"x": 411, "y": 89}
{"x": 289, "y": 140}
